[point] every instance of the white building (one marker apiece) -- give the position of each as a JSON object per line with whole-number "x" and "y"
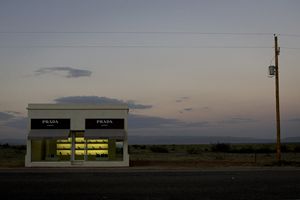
{"x": 67, "y": 135}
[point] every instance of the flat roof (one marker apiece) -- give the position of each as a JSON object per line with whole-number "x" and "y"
{"x": 35, "y": 106}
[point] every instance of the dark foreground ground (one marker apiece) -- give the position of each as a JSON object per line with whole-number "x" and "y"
{"x": 131, "y": 184}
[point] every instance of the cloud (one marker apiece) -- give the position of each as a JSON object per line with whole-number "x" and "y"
{"x": 19, "y": 123}
{"x": 185, "y": 110}
{"x": 181, "y": 99}
{"x": 238, "y": 120}
{"x": 141, "y": 121}
{"x": 153, "y": 122}
{"x": 294, "y": 120}
{"x": 6, "y": 116}
{"x": 100, "y": 100}
{"x": 198, "y": 124}
{"x": 205, "y": 108}
{"x": 71, "y": 72}
{"x": 134, "y": 122}
{"x": 13, "y": 112}
{"x": 12, "y": 120}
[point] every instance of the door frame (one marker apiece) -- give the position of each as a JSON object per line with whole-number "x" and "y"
{"x": 73, "y": 145}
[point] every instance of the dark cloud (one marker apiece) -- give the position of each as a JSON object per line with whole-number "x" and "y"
{"x": 152, "y": 122}
{"x": 6, "y": 116}
{"x": 181, "y": 99}
{"x": 19, "y": 123}
{"x": 71, "y": 72}
{"x": 294, "y": 120}
{"x": 13, "y": 112}
{"x": 185, "y": 110}
{"x": 134, "y": 122}
{"x": 205, "y": 108}
{"x": 100, "y": 100}
{"x": 198, "y": 124}
{"x": 141, "y": 121}
{"x": 238, "y": 120}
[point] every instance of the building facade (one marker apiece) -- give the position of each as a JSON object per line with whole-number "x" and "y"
{"x": 70, "y": 135}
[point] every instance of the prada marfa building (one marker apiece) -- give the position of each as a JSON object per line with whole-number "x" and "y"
{"x": 66, "y": 135}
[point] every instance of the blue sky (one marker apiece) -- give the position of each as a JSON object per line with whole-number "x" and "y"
{"x": 185, "y": 67}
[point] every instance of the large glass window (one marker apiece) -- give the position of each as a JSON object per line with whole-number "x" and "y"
{"x": 51, "y": 150}
{"x": 76, "y": 147}
{"x": 64, "y": 149}
{"x": 97, "y": 149}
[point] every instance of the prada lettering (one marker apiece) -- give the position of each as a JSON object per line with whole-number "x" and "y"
{"x": 50, "y": 123}
{"x": 104, "y": 123}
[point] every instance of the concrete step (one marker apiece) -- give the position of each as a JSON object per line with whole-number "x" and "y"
{"x": 77, "y": 162}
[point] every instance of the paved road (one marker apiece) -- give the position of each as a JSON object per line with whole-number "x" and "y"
{"x": 88, "y": 184}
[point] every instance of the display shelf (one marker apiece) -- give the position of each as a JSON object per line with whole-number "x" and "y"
{"x": 63, "y": 147}
{"x": 63, "y": 152}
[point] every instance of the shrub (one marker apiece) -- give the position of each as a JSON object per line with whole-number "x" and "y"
{"x": 193, "y": 151}
{"x": 284, "y": 148}
{"x": 135, "y": 146}
{"x": 221, "y": 147}
{"x": 247, "y": 149}
{"x": 159, "y": 149}
{"x": 4, "y": 146}
{"x": 265, "y": 149}
{"x": 297, "y": 149}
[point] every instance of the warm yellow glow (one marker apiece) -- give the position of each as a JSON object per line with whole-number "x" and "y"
{"x": 63, "y": 152}
{"x": 79, "y": 139}
{"x": 63, "y": 146}
{"x": 94, "y": 147}
{"x": 79, "y": 146}
{"x": 95, "y": 152}
{"x": 98, "y": 141}
{"x": 97, "y": 146}
{"x": 79, "y": 152}
{"x": 65, "y": 141}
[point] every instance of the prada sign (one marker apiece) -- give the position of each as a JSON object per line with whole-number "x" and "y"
{"x": 50, "y": 123}
{"x": 104, "y": 123}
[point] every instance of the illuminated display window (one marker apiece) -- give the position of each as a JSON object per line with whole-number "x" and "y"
{"x": 97, "y": 149}
{"x": 64, "y": 149}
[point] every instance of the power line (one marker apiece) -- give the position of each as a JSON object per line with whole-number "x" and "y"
{"x": 290, "y": 35}
{"x": 290, "y": 48}
{"x": 138, "y": 46}
{"x": 132, "y": 32}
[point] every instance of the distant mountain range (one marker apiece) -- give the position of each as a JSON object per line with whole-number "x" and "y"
{"x": 203, "y": 140}
{"x": 183, "y": 140}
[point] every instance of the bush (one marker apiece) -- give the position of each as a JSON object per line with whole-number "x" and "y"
{"x": 265, "y": 149}
{"x": 193, "y": 151}
{"x": 247, "y": 149}
{"x": 221, "y": 147}
{"x": 159, "y": 149}
{"x": 297, "y": 149}
{"x": 4, "y": 146}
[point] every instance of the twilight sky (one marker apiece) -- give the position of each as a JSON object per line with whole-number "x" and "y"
{"x": 185, "y": 67}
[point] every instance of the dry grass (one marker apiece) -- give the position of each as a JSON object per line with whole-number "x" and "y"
{"x": 183, "y": 156}
{"x": 203, "y": 156}
{"x": 12, "y": 156}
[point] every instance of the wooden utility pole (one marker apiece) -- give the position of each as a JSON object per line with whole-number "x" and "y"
{"x": 278, "y": 144}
